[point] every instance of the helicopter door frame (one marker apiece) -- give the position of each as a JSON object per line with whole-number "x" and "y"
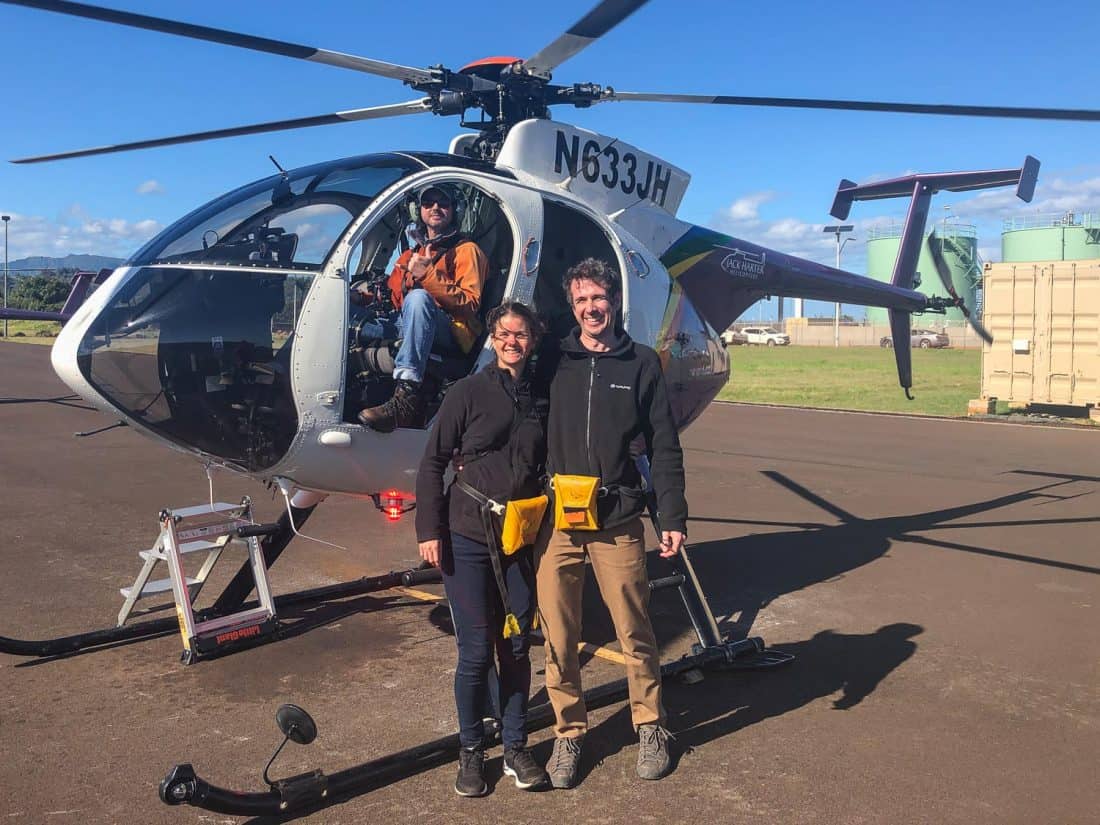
{"x": 620, "y": 249}
{"x": 648, "y": 282}
{"x": 519, "y": 206}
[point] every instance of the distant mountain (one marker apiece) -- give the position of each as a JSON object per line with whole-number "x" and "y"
{"x": 32, "y": 266}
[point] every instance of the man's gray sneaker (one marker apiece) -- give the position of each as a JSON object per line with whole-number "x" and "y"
{"x": 654, "y": 760}
{"x": 565, "y": 762}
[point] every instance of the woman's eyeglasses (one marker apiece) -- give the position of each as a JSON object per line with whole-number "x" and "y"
{"x": 518, "y": 337}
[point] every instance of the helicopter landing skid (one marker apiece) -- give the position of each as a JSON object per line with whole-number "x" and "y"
{"x": 155, "y": 628}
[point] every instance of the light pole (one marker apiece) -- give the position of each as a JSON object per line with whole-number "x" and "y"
{"x": 5, "y": 219}
{"x": 837, "y": 229}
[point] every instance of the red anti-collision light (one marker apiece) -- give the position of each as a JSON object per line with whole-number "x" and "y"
{"x": 394, "y": 503}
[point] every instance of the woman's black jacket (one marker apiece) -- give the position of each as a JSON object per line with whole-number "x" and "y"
{"x": 494, "y": 429}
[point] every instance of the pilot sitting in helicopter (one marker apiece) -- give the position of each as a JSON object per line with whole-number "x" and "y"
{"x": 436, "y": 288}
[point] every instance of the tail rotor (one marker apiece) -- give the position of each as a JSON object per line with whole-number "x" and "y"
{"x": 935, "y": 246}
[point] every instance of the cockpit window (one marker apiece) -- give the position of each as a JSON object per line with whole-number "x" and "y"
{"x": 202, "y": 357}
{"x": 289, "y": 221}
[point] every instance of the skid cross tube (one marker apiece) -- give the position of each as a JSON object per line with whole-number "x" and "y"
{"x": 182, "y": 786}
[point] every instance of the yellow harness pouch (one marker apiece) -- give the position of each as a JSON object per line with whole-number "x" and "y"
{"x": 575, "y": 502}
{"x": 522, "y": 518}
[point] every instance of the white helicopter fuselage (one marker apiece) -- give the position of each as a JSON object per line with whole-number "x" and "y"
{"x": 159, "y": 343}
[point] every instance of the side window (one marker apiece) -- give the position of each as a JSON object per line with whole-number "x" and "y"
{"x": 568, "y": 237}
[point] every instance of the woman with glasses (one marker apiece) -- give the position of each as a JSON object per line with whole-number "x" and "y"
{"x": 492, "y": 425}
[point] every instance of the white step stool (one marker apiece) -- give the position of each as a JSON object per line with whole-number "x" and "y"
{"x": 208, "y": 528}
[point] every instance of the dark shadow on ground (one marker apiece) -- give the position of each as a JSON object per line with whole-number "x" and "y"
{"x": 74, "y": 401}
{"x": 742, "y": 575}
{"x": 851, "y": 665}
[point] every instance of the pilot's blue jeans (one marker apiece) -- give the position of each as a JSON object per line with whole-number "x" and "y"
{"x": 479, "y": 621}
{"x": 420, "y": 325}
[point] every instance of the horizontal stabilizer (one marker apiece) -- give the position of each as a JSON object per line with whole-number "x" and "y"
{"x": 1024, "y": 177}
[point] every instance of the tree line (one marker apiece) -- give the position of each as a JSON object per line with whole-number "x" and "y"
{"x": 45, "y": 291}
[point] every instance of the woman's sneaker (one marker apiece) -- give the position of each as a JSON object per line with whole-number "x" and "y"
{"x": 521, "y": 766}
{"x": 471, "y": 773}
{"x": 565, "y": 762}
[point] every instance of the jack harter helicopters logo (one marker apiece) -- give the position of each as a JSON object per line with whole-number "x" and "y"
{"x": 744, "y": 264}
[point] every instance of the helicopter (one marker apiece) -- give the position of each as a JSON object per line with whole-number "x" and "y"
{"x": 230, "y": 335}
{"x": 222, "y": 336}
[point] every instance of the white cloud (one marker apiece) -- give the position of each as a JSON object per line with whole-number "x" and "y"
{"x": 748, "y": 207}
{"x": 75, "y": 231}
{"x": 986, "y": 210}
{"x": 150, "y": 187}
{"x": 1051, "y": 196}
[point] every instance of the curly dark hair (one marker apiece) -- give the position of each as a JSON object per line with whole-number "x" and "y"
{"x": 597, "y": 271}
{"x": 529, "y": 316}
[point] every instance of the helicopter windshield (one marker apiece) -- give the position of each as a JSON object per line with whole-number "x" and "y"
{"x": 287, "y": 221}
{"x": 201, "y": 357}
{"x": 196, "y": 344}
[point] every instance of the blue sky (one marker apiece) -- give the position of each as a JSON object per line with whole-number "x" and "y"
{"x": 762, "y": 174}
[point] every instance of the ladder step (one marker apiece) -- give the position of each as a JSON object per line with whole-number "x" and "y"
{"x": 185, "y": 548}
{"x": 154, "y": 588}
{"x": 199, "y": 544}
{"x": 204, "y": 509}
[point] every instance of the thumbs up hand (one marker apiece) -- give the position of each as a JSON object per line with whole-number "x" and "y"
{"x": 419, "y": 263}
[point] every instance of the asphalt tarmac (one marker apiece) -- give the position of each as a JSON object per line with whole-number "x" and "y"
{"x": 936, "y": 579}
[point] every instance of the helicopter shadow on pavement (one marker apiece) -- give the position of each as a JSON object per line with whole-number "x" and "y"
{"x": 756, "y": 569}
{"x": 74, "y": 401}
{"x": 830, "y": 662}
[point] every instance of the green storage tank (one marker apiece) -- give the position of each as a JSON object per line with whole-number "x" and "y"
{"x": 1065, "y": 236}
{"x": 960, "y": 251}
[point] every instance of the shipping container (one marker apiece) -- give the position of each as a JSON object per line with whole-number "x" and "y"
{"x": 1045, "y": 322}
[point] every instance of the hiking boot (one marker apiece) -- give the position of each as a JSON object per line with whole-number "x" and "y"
{"x": 521, "y": 766}
{"x": 471, "y": 773}
{"x": 404, "y": 409}
{"x": 565, "y": 762}
{"x": 654, "y": 760}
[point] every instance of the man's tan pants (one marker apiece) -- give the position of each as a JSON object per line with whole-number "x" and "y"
{"x": 618, "y": 560}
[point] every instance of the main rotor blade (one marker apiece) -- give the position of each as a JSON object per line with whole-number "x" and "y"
{"x": 598, "y": 22}
{"x": 406, "y": 74}
{"x": 864, "y": 106}
{"x": 412, "y": 107}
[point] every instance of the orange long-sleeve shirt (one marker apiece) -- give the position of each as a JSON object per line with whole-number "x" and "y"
{"x": 454, "y": 281}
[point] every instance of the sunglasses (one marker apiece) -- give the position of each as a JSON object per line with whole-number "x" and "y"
{"x": 428, "y": 201}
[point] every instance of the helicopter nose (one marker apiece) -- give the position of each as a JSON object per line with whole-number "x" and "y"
{"x": 196, "y": 356}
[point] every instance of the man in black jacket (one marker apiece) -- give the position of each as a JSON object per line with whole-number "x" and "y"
{"x": 606, "y": 392}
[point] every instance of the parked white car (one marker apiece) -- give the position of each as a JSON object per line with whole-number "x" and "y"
{"x": 766, "y": 336}
{"x": 733, "y": 337}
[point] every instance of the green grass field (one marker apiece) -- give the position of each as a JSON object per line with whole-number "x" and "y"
{"x": 853, "y": 378}
{"x": 34, "y": 332}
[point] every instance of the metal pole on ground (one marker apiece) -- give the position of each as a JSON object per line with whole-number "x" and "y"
{"x": 837, "y": 229}
{"x": 5, "y": 219}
